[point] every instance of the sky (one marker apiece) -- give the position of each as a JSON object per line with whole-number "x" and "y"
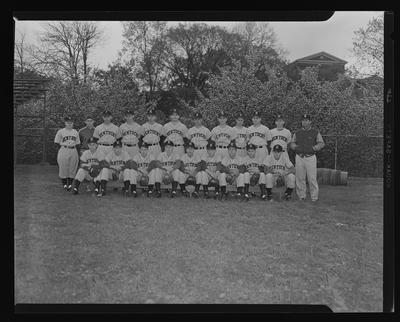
{"x": 299, "y": 39}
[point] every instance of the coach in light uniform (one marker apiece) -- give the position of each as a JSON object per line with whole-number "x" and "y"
{"x": 240, "y": 136}
{"x": 199, "y": 136}
{"x": 222, "y": 135}
{"x": 175, "y": 131}
{"x": 152, "y": 132}
{"x": 305, "y": 143}
{"x": 259, "y": 135}
{"x": 131, "y": 133}
{"x": 106, "y": 133}
{"x": 280, "y": 135}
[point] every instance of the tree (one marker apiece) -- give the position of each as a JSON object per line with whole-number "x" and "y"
{"x": 368, "y": 48}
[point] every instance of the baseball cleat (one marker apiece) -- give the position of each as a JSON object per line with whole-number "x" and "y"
{"x": 69, "y": 187}
{"x": 185, "y": 193}
{"x": 100, "y": 194}
{"x": 302, "y": 199}
{"x": 269, "y": 197}
{"x": 246, "y": 197}
{"x": 96, "y": 191}
{"x": 134, "y": 194}
{"x": 65, "y": 187}
{"x": 149, "y": 193}
{"x": 287, "y": 196}
{"x": 173, "y": 194}
{"x": 263, "y": 197}
{"x": 314, "y": 200}
{"x": 75, "y": 191}
{"x": 216, "y": 195}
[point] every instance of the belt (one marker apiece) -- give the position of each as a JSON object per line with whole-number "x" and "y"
{"x": 68, "y": 147}
{"x": 302, "y": 155}
{"x": 127, "y": 144}
{"x": 105, "y": 144}
{"x": 151, "y": 144}
{"x": 240, "y": 148}
{"x": 199, "y": 147}
{"x": 260, "y": 146}
{"x": 222, "y": 146}
{"x": 178, "y": 145}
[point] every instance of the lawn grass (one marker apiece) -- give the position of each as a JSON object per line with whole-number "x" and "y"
{"x": 82, "y": 249}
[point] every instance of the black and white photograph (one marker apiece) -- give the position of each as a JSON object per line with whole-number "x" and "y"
{"x": 200, "y": 162}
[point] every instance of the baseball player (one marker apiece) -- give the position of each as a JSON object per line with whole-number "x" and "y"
{"x": 142, "y": 159}
{"x": 280, "y": 135}
{"x": 175, "y": 131}
{"x": 106, "y": 133}
{"x": 199, "y": 136}
{"x": 67, "y": 156}
{"x": 152, "y": 132}
{"x": 116, "y": 160}
{"x": 167, "y": 159}
{"x": 190, "y": 160}
{"x": 252, "y": 163}
{"x": 306, "y": 142}
{"x": 90, "y": 157}
{"x": 259, "y": 135}
{"x": 240, "y": 136}
{"x": 203, "y": 177}
{"x": 233, "y": 161}
{"x": 85, "y": 134}
{"x": 131, "y": 133}
{"x": 278, "y": 165}
{"x": 222, "y": 135}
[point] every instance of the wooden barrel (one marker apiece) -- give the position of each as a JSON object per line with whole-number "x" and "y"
{"x": 338, "y": 178}
{"x": 343, "y": 178}
{"x": 323, "y": 176}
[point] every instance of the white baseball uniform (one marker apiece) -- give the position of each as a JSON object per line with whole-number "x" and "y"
{"x": 199, "y": 136}
{"x": 151, "y": 136}
{"x": 278, "y": 166}
{"x": 240, "y": 137}
{"x": 106, "y": 135}
{"x": 259, "y": 136}
{"x": 175, "y": 132}
{"x": 222, "y": 135}
{"x": 88, "y": 159}
{"x": 67, "y": 156}
{"x": 131, "y": 134}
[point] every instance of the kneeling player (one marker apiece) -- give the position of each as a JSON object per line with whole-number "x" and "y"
{"x": 116, "y": 160}
{"x": 89, "y": 158}
{"x": 279, "y": 166}
{"x": 142, "y": 159}
{"x": 189, "y": 160}
{"x": 232, "y": 162}
{"x": 252, "y": 163}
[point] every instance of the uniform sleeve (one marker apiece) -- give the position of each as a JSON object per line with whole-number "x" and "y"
{"x": 234, "y": 134}
{"x": 78, "y": 140}
{"x": 140, "y": 130}
{"x": 319, "y": 138}
{"x": 266, "y": 161}
{"x": 289, "y": 137}
{"x": 288, "y": 163}
{"x": 268, "y": 136}
{"x": 293, "y": 138}
{"x": 207, "y": 133}
{"x": 96, "y": 132}
{"x": 58, "y": 137}
{"x": 118, "y": 133}
{"x": 84, "y": 157}
{"x": 108, "y": 157}
{"x": 213, "y": 133}
{"x": 184, "y": 130}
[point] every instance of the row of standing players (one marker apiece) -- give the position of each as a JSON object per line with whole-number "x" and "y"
{"x": 131, "y": 135}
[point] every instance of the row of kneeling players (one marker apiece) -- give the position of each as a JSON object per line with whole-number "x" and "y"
{"x": 205, "y": 171}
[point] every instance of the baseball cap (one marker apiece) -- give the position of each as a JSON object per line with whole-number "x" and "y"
{"x": 67, "y": 118}
{"x": 151, "y": 112}
{"x": 221, "y": 114}
{"x": 232, "y": 144}
{"x": 211, "y": 145}
{"x": 143, "y": 145}
{"x": 279, "y": 117}
{"x": 256, "y": 114}
{"x": 174, "y": 111}
{"x": 128, "y": 112}
{"x": 277, "y": 148}
{"x": 107, "y": 113}
{"x": 169, "y": 143}
{"x": 198, "y": 115}
{"x": 92, "y": 140}
{"x": 89, "y": 118}
{"x": 117, "y": 143}
{"x": 306, "y": 117}
{"x": 251, "y": 147}
{"x": 190, "y": 145}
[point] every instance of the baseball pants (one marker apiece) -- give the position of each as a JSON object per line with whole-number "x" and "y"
{"x": 155, "y": 150}
{"x": 203, "y": 177}
{"x": 306, "y": 167}
{"x": 179, "y": 176}
{"x": 240, "y": 180}
{"x": 83, "y": 174}
{"x": 247, "y": 176}
{"x": 132, "y": 150}
{"x": 135, "y": 176}
{"x": 221, "y": 178}
{"x": 68, "y": 161}
{"x": 155, "y": 175}
{"x": 270, "y": 180}
{"x": 107, "y": 174}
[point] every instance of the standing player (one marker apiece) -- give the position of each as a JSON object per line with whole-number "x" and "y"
{"x": 222, "y": 135}
{"x": 106, "y": 133}
{"x": 116, "y": 160}
{"x": 252, "y": 163}
{"x": 142, "y": 159}
{"x": 90, "y": 157}
{"x": 199, "y": 136}
{"x": 240, "y": 136}
{"x": 280, "y": 135}
{"x": 67, "y": 156}
{"x": 152, "y": 132}
{"x": 203, "y": 177}
{"x": 260, "y": 136}
{"x": 233, "y": 161}
{"x": 175, "y": 131}
{"x": 167, "y": 159}
{"x": 85, "y": 134}
{"x": 131, "y": 133}
{"x": 305, "y": 143}
{"x": 279, "y": 165}
{"x": 190, "y": 161}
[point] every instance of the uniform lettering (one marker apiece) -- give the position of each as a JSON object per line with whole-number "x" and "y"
{"x": 168, "y": 163}
{"x": 101, "y": 134}
{"x": 68, "y": 138}
{"x": 279, "y": 137}
{"x": 93, "y": 160}
{"x": 278, "y": 167}
{"x": 198, "y": 135}
{"x": 117, "y": 162}
{"x": 150, "y": 131}
{"x": 130, "y": 132}
{"x": 174, "y": 131}
{"x": 261, "y": 135}
{"x": 225, "y": 135}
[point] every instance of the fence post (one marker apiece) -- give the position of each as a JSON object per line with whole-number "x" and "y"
{"x": 335, "y": 151}
{"x": 44, "y": 133}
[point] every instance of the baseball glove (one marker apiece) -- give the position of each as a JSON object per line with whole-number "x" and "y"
{"x": 167, "y": 179}
{"x": 223, "y": 169}
{"x": 144, "y": 181}
{"x": 254, "y": 179}
{"x": 128, "y": 164}
{"x": 104, "y": 164}
{"x": 261, "y": 168}
{"x": 230, "y": 179}
{"x": 115, "y": 175}
{"x": 94, "y": 170}
{"x": 213, "y": 182}
{"x": 154, "y": 164}
{"x": 280, "y": 181}
{"x": 201, "y": 166}
{"x": 242, "y": 168}
{"x": 191, "y": 181}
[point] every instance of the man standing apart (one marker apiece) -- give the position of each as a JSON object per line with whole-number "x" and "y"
{"x": 85, "y": 134}
{"x": 305, "y": 143}
{"x": 106, "y": 133}
{"x": 175, "y": 131}
{"x": 131, "y": 133}
{"x": 260, "y": 136}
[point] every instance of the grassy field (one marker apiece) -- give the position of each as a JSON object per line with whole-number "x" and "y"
{"x": 82, "y": 249}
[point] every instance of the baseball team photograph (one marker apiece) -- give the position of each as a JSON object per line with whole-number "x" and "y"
{"x": 199, "y": 162}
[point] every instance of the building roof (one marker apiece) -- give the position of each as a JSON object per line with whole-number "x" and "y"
{"x": 319, "y": 58}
